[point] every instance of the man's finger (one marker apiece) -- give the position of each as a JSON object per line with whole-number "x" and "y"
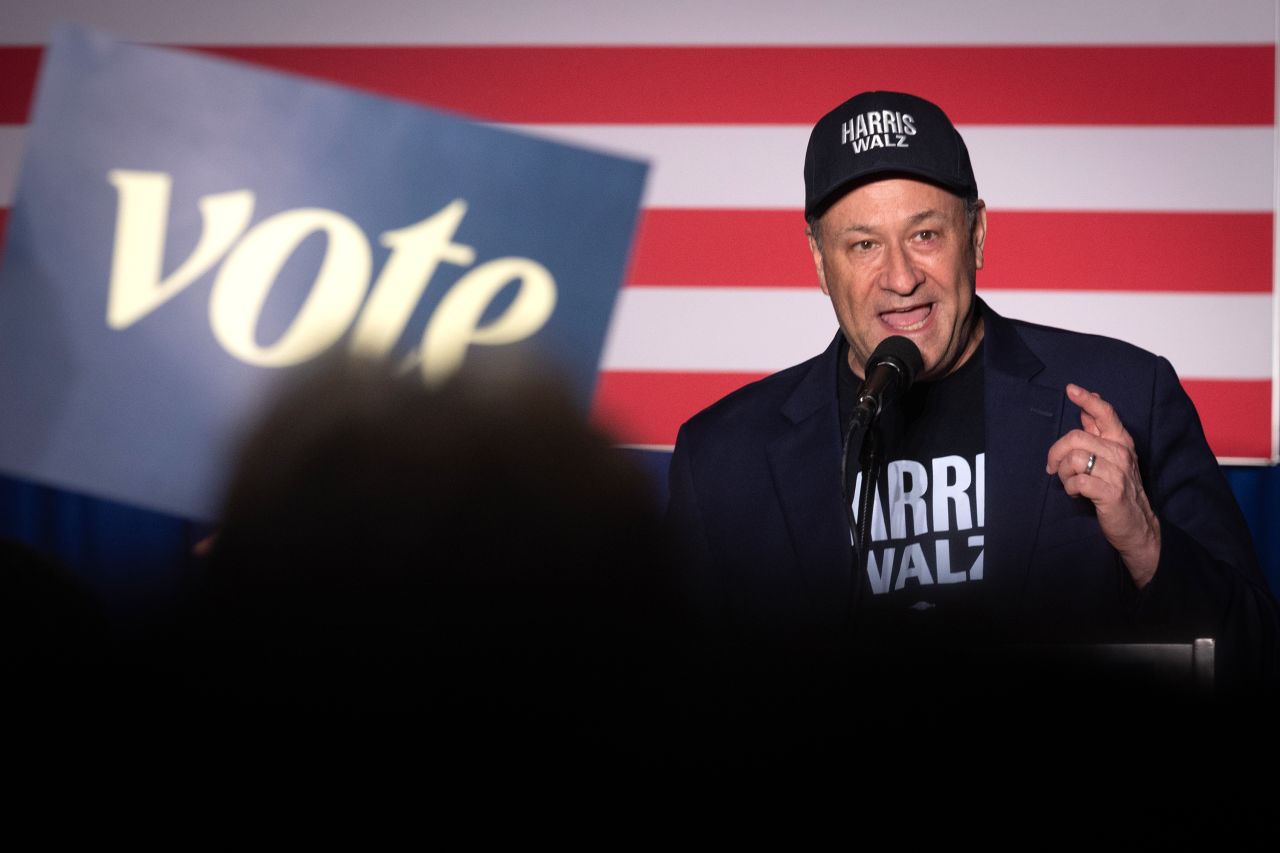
{"x": 1091, "y": 487}
{"x": 1078, "y": 440}
{"x": 1106, "y": 423}
{"x": 1074, "y": 468}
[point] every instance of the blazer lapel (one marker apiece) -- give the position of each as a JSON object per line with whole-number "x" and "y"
{"x": 1021, "y": 418}
{"x": 805, "y": 463}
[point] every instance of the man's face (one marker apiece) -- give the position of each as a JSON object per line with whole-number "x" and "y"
{"x": 897, "y": 258}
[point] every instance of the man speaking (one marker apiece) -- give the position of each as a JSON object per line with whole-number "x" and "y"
{"x": 1032, "y": 484}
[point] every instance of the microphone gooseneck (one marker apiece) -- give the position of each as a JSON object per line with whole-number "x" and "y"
{"x": 890, "y": 371}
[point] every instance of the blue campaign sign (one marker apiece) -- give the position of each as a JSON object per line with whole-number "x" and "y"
{"x": 187, "y": 230}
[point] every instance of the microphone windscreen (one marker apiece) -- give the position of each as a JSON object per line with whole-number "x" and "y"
{"x": 904, "y": 353}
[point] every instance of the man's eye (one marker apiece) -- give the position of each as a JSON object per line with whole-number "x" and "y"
{"x": 925, "y": 236}
{"x": 864, "y": 245}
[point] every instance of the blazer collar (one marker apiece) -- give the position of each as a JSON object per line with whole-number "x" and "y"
{"x": 1004, "y": 349}
{"x": 804, "y": 460}
{"x": 817, "y": 388}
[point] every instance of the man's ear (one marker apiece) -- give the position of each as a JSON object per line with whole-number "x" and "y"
{"x": 816, "y": 251}
{"x": 979, "y": 232}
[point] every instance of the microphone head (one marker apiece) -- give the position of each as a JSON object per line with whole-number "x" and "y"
{"x": 903, "y": 354}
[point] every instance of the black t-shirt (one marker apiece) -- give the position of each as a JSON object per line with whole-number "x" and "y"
{"x": 922, "y": 571}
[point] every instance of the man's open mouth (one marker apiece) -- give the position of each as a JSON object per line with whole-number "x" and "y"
{"x": 908, "y": 319}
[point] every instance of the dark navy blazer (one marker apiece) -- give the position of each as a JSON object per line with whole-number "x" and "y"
{"x": 756, "y": 500}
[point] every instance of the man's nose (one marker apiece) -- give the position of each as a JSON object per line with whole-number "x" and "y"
{"x": 900, "y": 274}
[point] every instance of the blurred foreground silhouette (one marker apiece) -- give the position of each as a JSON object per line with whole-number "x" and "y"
{"x": 475, "y": 557}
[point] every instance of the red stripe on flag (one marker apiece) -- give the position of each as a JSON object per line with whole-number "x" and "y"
{"x": 1209, "y": 252}
{"x": 1176, "y": 252}
{"x": 795, "y": 85}
{"x": 637, "y": 407}
{"x": 1184, "y": 252}
{"x": 731, "y": 248}
{"x": 1201, "y": 252}
{"x": 18, "y": 66}
{"x": 1123, "y": 85}
{"x": 1236, "y": 415}
{"x": 648, "y": 408}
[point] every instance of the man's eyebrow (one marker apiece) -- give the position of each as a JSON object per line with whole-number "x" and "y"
{"x": 925, "y": 215}
{"x": 914, "y": 219}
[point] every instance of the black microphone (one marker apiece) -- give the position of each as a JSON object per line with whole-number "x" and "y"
{"x": 890, "y": 370}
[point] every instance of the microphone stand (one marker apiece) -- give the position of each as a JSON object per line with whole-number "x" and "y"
{"x": 859, "y": 437}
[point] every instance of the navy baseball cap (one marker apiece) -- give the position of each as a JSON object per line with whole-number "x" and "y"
{"x": 882, "y": 133}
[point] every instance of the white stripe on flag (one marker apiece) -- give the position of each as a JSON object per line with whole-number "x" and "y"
{"x": 1018, "y": 167}
{"x": 760, "y": 330}
{"x": 817, "y": 22}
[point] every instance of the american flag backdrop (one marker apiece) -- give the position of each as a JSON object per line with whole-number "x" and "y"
{"x": 1126, "y": 151}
